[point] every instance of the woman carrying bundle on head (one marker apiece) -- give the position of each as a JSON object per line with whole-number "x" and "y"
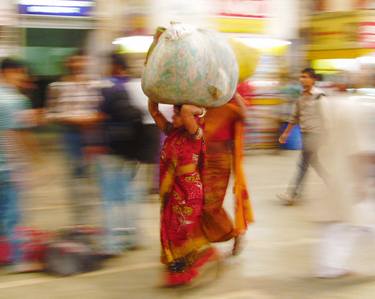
{"x": 185, "y": 250}
{"x": 224, "y": 138}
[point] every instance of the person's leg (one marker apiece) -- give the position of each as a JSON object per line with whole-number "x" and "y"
{"x": 77, "y": 171}
{"x": 108, "y": 177}
{"x": 296, "y": 188}
{"x": 313, "y": 142}
{"x": 9, "y": 219}
{"x": 319, "y": 168}
{"x": 74, "y": 149}
{"x": 335, "y": 249}
{"x": 120, "y": 198}
{"x": 216, "y": 222}
{"x": 132, "y": 191}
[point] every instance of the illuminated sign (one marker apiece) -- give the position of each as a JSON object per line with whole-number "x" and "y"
{"x": 242, "y": 8}
{"x": 72, "y": 8}
{"x": 245, "y": 16}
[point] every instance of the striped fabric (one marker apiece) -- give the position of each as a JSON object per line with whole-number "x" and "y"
{"x": 69, "y": 99}
{"x": 12, "y": 108}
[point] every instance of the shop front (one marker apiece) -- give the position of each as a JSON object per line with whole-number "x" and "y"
{"x": 252, "y": 23}
{"x": 9, "y": 33}
{"x": 342, "y": 44}
{"x": 51, "y": 31}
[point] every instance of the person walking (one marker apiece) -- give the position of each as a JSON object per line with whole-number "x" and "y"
{"x": 16, "y": 149}
{"x": 347, "y": 215}
{"x": 307, "y": 113}
{"x": 120, "y": 160}
{"x": 73, "y": 105}
{"x": 185, "y": 249}
{"x": 224, "y": 137}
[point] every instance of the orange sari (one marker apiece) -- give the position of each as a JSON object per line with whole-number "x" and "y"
{"x": 224, "y": 138}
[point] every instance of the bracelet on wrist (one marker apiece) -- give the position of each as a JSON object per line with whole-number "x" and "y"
{"x": 203, "y": 113}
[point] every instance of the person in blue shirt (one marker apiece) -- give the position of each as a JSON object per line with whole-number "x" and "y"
{"x": 14, "y": 140}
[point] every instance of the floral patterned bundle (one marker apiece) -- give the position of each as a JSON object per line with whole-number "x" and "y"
{"x": 189, "y": 65}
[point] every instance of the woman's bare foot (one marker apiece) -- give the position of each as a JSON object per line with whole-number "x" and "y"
{"x": 237, "y": 246}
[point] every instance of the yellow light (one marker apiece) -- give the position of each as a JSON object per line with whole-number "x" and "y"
{"x": 263, "y": 43}
{"x": 134, "y": 44}
{"x": 336, "y": 64}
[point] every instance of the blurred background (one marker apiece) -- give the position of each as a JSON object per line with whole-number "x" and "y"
{"x": 278, "y": 38}
{"x": 334, "y": 37}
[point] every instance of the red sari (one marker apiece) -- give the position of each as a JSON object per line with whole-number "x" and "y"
{"x": 185, "y": 249}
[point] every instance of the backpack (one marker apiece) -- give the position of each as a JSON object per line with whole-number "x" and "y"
{"x": 123, "y": 128}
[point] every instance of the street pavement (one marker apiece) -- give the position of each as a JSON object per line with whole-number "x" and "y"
{"x": 276, "y": 263}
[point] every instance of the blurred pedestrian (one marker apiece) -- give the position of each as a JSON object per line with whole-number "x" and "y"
{"x": 16, "y": 148}
{"x": 118, "y": 165}
{"x": 30, "y": 90}
{"x": 150, "y": 152}
{"x": 307, "y": 113}
{"x": 224, "y": 137}
{"x": 348, "y": 213}
{"x": 185, "y": 249}
{"x": 73, "y": 104}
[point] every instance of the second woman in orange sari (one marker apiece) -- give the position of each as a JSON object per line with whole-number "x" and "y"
{"x": 224, "y": 139}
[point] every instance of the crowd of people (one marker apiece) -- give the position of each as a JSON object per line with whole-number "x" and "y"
{"x": 101, "y": 125}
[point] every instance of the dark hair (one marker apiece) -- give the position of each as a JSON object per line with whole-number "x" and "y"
{"x": 11, "y": 63}
{"x": 79, "y": 52}
{"x": 319, "y": 77}
{"x": 177, "y": 107}
{"x": 118, "y": 60}
{"x": 309, "y": 71}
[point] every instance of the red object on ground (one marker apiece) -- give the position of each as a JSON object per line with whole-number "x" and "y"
{"x": 34, "y": 245}
{"x": 4, "y": 251}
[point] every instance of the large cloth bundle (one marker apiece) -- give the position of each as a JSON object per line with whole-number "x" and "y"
{"x": 190, "y": 66}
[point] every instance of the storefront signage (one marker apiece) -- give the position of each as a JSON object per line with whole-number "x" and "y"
{"x": 367, "y": 34}
{"x": 366, "y": 29}
{"x": 333, "y": 31}
{"x": 242, "y": 8}
{"x": 245, "y": 16}
{"x": 72, "y": 8}
{"x": 341, "y": 34}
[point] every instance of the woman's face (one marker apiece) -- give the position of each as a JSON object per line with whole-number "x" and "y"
{"x": 176, "y": 119}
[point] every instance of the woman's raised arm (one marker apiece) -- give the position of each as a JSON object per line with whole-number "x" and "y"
{"x": 158, "y": 117}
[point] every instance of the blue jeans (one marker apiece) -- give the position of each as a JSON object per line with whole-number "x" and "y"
{"x": 78, "y": 171}
{"x": 10, "y": 216}
{"x": 73, "y": 143}
{"x": 119, "y": 197}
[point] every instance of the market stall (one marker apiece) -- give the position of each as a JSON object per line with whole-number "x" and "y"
{"x": 343, "y": 42}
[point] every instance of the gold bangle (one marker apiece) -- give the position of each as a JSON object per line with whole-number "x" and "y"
{"x": 203, "y": 113}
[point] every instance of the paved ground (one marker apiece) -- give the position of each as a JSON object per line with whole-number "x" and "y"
{"x": 276, "y": 263}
